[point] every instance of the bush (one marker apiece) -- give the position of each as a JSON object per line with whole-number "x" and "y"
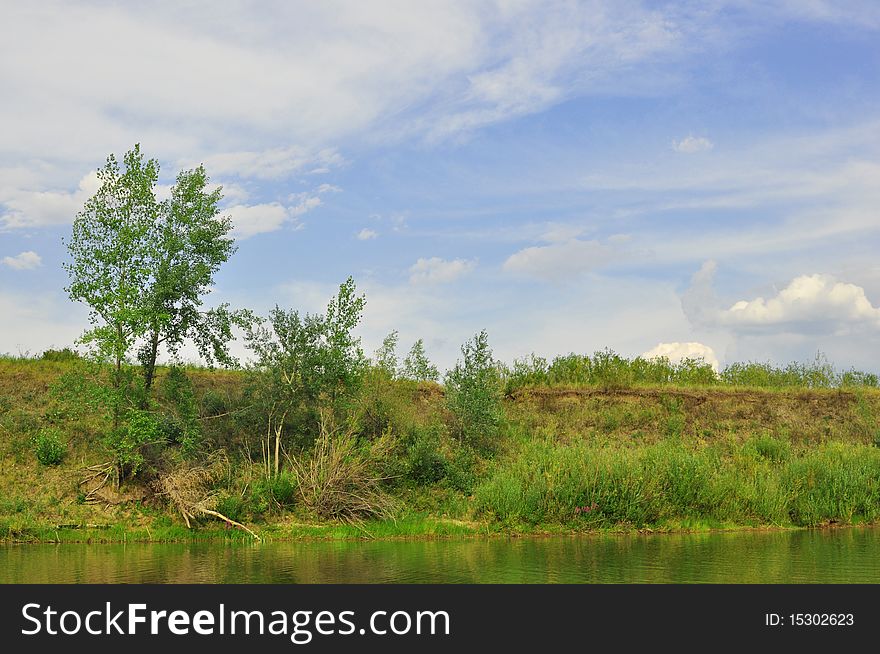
{"x": 473, "y": 394}
{"x": 426, "y": 464}
{"x": 278, "y": 491}
{"x": 770, "y": 448}
{"x": 62, "y": 355}
{"x": 129, "y": 443}
{"x": 213, "y": 403}
{"x": 461, "y": 466}
{"x": 182, "y": 424}
{"x": 49, "y": 447}
{"x": 342, "y": 480}
{"x": 232, "y": 506}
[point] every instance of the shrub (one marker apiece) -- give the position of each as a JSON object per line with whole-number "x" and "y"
{"x": 129, "y": 443}
{"x": 342, "y": 480}
{"x": 63, "y": 355}
{"x": 49, "y": 447}
{"x": 232, "y": 506}
{"x": 426, "y": 464}
{"x": 213, "y": 403}
{"x": 278, "y": 491}
{"x": 182, "y": 423}
{"x": 770, "y": 448}
{"x": 473, "y": 394}
{"x": 461, "y": 466}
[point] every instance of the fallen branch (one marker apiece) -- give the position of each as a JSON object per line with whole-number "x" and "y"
{"x": 189, "y": 491}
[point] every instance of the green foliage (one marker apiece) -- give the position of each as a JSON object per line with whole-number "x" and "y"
{"x": 817, "y": 374}
{"x": 112, "y": 250}
{"x": 425, "y": 461}
{"x": 305, "y": 364}
{"x": 386, "y": 355}
{"x": 181, "y": 424}
{"x": 233, "y": 507}
{"x": 49, "y": 447}
{"x": 770, "y": 448}
{"x": 416, "y": 366}
{"x": 130, "y": 443}
{"x": 142, "y": 266}
{"x": 60, "y": 356}
{"x": 759, "y": 482}
{"x": 274, "y": 493}
{"x": 474, "y": 393}
{"x": 608, "y": 370}
{"x": 213, "y": 403}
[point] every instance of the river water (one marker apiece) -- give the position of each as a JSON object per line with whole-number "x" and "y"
{"x": 828, "y": 556}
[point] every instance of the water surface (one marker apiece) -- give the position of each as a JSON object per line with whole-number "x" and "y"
{"x": 835, "y": 556}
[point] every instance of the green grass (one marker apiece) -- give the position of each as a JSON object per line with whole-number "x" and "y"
{"x": 760, "y": 482}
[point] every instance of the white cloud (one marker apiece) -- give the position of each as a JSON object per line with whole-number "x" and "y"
{"x": 675, "y": 352}
{"x": 328, "y": 188}
{"x": 808, "y": 304}
{"x": 270, "y": 164}
{"x": 250, "y": 220}
{"x": 24, "y": 261}
{"x": 304, "y": 204}
{"x": 439, "y": 271}
{"x": 691, "y": 144}
{"x": 366, "y": 234}
{"x": 30, "y": 208}
{"x": 807, "y": 301}
{"x": 560, "y": 261}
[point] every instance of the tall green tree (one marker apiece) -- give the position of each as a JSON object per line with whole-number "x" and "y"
{"x": 191, "y": 243}
{"x": 113, "y": 251}
{"x": 144, "y": 267}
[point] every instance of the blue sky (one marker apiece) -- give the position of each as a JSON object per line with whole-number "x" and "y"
{"x": 694, "y": 177}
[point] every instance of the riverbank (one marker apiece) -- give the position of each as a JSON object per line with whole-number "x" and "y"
{"x": 566, "y": 460}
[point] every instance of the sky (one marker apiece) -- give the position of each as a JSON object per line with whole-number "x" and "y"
{"x": 678, "y": 178}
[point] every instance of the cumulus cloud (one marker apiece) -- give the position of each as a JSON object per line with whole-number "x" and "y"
{"x": 439, "y": 271}
{"x": 808, "y": 304}
{"x": 366, "y": 234}
{"x": 24, "y": 261}
{"x": 675, "y": 352}
{"x": 560, "y": 261}
{"x": 699, "y": 302}
{"x": 692, "y": 144}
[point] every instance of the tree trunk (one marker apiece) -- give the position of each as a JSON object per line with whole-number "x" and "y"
{"x": 117, "y": 378}
{"x": 150, "y": 367}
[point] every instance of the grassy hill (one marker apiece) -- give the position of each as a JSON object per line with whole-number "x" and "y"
{"x": 567, "y": 457}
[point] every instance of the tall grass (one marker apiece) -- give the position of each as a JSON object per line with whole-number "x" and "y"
{"x": 759, "y": 482}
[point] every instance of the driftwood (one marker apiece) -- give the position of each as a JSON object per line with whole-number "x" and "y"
{"x": 189, "y": 489}
{"x": 100, "y": 472}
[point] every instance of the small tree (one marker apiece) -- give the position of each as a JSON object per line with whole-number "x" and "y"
{"x": 474, "y": 392}
{"x": 416, "y": 365}
{"x": 305, "y": 365}
{"x": 386, "y": 355}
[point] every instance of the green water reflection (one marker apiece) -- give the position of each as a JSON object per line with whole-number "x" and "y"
{"x": 838, "y": 556}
